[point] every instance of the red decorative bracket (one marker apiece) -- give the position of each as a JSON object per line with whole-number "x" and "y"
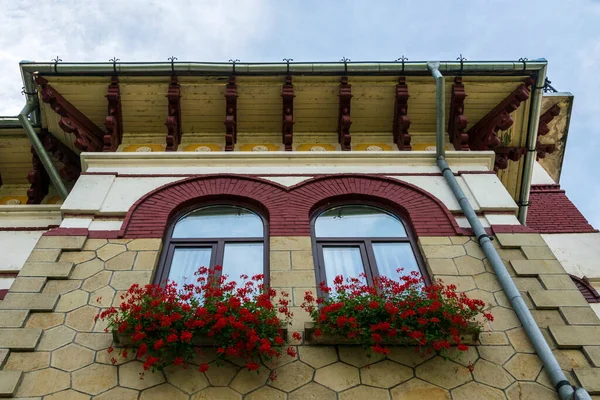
{"x": 230, "y": 114}
{"x": 287, "y": 128}
{"x": 546, "y": 118}
{"x": 457, "y": 121}
{"x": 504, "y": 153}
{"x": 114, "y": 120}
{"x": 484, "y": 134}
{"x": 543, "y": 149}
{"x": 344, "y": 120}
{"x": 68, "y": 158}
{"x": 39, "y": 180}
{"x": 89, "y": 136}
{"x": 401, "y": 121}
{"x": 173, "y": 123}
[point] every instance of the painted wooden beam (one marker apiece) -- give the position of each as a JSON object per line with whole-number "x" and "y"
{"x": 546, "y": 118}
{"x": 173, "y": 123}
{"x": 344, "y": 121}
{"x": 401, "y": 120}
{"x": 230, "y": 114}
{"x": 287, "y": 126}
{"x": 457, "y": 121}
{"x": 114, "y": 120}
{"x": 70, "y": 160}
{"x": 88, "y": 136}
{"x": 39, "y": 180}
{"x": 506, "y": 153}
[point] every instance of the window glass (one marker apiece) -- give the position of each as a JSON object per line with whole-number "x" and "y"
{"x": 391, "y": 256}
{"x": 219, "y": 222}
{"x": 346, "y": 261}
{"x": 243, "y": 258}
{"x": 358, "y": 221}
{"x": 186, "y": 261}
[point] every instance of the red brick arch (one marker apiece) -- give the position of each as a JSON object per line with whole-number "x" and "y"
{"x": 288, "y": 209}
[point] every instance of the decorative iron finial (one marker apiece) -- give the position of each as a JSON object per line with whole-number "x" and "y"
{"x": 287, "y": 60}
{"x": 548, "y": 88}
{"x": 114, "y": 61}
{"x": 462, "y": 60}
{"x": 172, "y": 59}
{"x": 524, "y": 61}
{"x": 56, "y": 61}
{"x": 234, "y": 61}
{"x": 402, "y": 59}
{"x": 345, "y": 61}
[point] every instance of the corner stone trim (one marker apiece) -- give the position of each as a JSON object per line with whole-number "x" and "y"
{"x": 288, "y": 208}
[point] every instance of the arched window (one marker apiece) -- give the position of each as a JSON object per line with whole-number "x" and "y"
{"x": 352, "y": 239}
{"x": 227, "y": 235}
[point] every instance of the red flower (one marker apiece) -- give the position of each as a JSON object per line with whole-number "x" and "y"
{"x": 463, "y": 347}
{"x": 296, "y": 336}
{"x": 150, "y": 361}
{"x": 142, "y": 349}
{"x": 172, "y": 338}
{"x": 373, "y": 304}
{"x": 252, "y": 366}
{"x": 291, "y": 352}
{"x": 186, "y": 336}
{"x": 158, "y": 344}
{"x": 203, "y": 367}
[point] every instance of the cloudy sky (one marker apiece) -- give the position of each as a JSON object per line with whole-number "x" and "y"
{"x": 564, "y": 32}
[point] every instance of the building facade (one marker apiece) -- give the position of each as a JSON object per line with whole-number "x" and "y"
{"x": 143, "y": 172}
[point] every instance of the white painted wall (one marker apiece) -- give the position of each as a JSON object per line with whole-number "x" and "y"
{"x": 540, "y": 176}
{"x": 124, "y": 192}
{"x": 489, "y": 192}
{"x": 15, "y": 247}
{"x": 579, "y": 253}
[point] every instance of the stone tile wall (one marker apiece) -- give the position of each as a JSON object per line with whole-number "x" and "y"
{"x": 52, "y": 349}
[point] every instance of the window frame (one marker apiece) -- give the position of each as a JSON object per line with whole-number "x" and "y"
{"x": 364, "y": 243}
{"x": 217, "y": 245}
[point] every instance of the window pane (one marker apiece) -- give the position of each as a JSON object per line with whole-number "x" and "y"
{"x": 243, "y": 258}
{"x": 344, "y": 261}
{"x": 391, "y": 256}
{"x": 358, "y": 221}
{"x": 219, "y": 222}
{"x": 186, "y": 261}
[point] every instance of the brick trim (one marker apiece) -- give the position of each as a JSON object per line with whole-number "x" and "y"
{"x": 288, "y": 209}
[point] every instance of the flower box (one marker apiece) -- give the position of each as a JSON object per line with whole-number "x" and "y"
{"x": 468, "y": 338}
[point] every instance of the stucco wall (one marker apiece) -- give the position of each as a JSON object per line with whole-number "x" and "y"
{"x": 49, "y": 311}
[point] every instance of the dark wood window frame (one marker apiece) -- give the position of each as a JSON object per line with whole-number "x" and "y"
{"x": 217, "y": 245}
{"x": 365, "y": 244}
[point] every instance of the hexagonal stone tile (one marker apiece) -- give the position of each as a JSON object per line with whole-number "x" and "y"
{"x": 87, "y": 269}
{"x": 45, "y": 320}
{"x": 221, "y": 375}
{"x": 418, "y": 389}
{"x": 524, "y": 367}
{"x": 104, "y": 357}
{"x": 493, "y": 338}
{"x": 569, "y": 359}
{"x": 94, "y": 244}
{"x": 95, "y": 378}
{"x": 468, "y": 265}
{"x": 530, "y": 391}
{"x": 338, "y": 376}
{"x": 122, "y": 262}
{"x": 77, "y": 257}
{"x": 442, "y": 251}
{"x": 129, "y": 376}
{"x": 358, "y": 356}
{"x": 504, "y": 319}
{"x": 474, "y": 250}
{"x": 122, "y": 280}
{"x": 61, "y": 286}
{"x": 280, "y": 361}
{"x": 72, "y": 357}
{"x": 71, "y": 301}
{"x": 109, "y": 251}
{"x": 488, "y": 298}
{"x": 246, "y": 381}
{"x": 164, "y": 391}
{"x": 365, "y": 392}
{"x": 118, "y": 393}
{"x": 409, "y": 356}
{"x": 520, "y": 341}
{"x": 54, "y": 338}
{"x": 291, "y": 376}
{"x": 312, "y": 391}
{"x": 474, "y": 390}
{"x": 189, "y": 380}
{"x": 81, "y": 319}
{"x": 492, "y": 375}
{"x": 317, "y": 356}
{"x": 444, "y": 373}
{"x": 68, "y": 395}
{"x": 97, "y": 281}
{"x": 27, "y": 362}
{"x": 496, "y": 354}
{"x": 103, "y": 297}
{"x": 212, "y": 393}
{"x": 487, "y": 281}
{"x": 385, "y": 374}
{"x": 94, "y": 341}
{"x": 43, "y": 382}
{"x": 145, "y": 260}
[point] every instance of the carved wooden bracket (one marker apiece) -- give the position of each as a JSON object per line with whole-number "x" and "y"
{"x": 505, "y": 153}
{"x": 401, "y": 121}
{"x": 68, "y": 158}
{"x": 457, "y": 121}
{"x": 173, "y": 123}
{"x": 89, "y": 136}
{"x": 114, "y": 120}
{"x": 287, "y": 128}
{"x": 543, "y": 149}
{"x": 546, "y": 118}
{"x": 39, "y": 180}
{"x": 230, "y": 114}
{"x": 344, "y": 120}
{"x": 484, "y": 134}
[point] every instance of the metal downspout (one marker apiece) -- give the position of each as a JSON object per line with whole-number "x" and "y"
{"x": 39, "y": 148}
{"x": 557, "y": 376}
{"x": 532, "y": 134}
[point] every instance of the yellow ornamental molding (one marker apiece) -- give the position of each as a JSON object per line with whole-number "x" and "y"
{"x": 316, "y": 147}
{"x": 13, "y": 200}
{"x": 144, "y": 148}
{"x": 203, "y": 147}
{"x": 372, "y": 147}
{"x": 259, "y": 147}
